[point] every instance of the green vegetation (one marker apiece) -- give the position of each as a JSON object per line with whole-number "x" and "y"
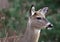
{"x": 17, "y": 14}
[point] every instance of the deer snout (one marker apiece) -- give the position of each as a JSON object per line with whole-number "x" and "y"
{"x": 49, "y": 26}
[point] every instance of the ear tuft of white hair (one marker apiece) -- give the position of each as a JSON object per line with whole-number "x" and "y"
{"x": 32, "y": 10}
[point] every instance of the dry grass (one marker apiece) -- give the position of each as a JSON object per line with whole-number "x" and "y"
{"x": 10, "y": 39}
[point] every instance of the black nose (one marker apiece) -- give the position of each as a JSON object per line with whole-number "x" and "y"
{"x": 50, "y": 25}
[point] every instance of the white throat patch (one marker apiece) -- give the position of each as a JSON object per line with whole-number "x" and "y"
{"x": 37, "y": 31}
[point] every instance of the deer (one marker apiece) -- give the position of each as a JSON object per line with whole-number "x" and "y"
{"x": 36, "y": 22}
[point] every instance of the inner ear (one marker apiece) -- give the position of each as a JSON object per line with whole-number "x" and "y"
{"x": 43, "y": 10}
{"x": 32, "y": 10}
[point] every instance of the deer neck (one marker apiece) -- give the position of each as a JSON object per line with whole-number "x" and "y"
{"x": 31, "y": 34}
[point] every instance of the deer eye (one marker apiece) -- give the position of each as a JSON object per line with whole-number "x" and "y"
{"x": 38, "y": 18}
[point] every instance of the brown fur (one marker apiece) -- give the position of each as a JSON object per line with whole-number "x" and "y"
{"x": 35, "y": 25}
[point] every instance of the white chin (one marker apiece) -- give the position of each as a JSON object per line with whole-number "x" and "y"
{"x": 49, "y": 28}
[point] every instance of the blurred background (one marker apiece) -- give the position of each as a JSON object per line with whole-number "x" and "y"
{"x": 14, "y": 15}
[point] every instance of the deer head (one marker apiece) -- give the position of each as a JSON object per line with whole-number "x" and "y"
{"x": 38, "y": 19}
{"x": 36, "y": 22}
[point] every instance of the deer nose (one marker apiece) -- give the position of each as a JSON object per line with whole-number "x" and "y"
{"x": 49, "y": 25}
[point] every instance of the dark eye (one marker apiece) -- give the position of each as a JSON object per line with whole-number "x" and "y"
{"x": 38, "y": 18}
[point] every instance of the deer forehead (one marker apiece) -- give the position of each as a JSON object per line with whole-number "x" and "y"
{"x": 38, "y": 14}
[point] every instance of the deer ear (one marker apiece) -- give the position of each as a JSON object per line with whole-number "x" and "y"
{"x": 44, "y": 10}
{"x": 32, "y": 10}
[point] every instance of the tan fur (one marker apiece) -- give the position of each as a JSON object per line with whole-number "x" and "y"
{"x": 39, "y": 15}
{"x": 34, "y": 26}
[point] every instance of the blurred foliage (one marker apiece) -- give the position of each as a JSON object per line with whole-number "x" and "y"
{"x": 17, "y": 14}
